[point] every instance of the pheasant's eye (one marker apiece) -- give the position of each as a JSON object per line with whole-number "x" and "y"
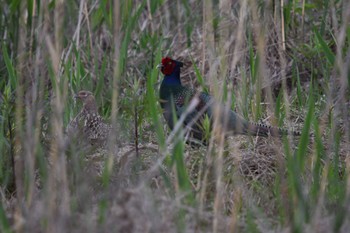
{"x": 169, "y": 63}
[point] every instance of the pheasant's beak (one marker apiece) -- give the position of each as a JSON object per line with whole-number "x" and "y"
{"x": 160, "y": 66}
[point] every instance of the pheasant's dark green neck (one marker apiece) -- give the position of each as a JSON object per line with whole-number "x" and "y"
{"x": 171, "y": 85}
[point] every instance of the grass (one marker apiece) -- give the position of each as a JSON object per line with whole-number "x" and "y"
{"x": 284, "y": 63}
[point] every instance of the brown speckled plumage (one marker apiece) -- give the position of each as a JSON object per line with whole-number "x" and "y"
{"x": 88, "y": 124}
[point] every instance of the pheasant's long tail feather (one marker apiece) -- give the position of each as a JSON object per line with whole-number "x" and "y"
{"x": 264, "y": 130}
{"x": 238, "y": 125}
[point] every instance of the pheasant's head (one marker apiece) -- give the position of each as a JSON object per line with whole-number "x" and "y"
{"x": 170, "y": 66}
{"x": 88, "y": 100}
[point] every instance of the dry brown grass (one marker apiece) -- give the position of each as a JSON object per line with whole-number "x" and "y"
{"x": 238, "y": 184}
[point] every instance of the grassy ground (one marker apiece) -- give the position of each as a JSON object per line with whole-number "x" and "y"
{"x": 283, "y": 63}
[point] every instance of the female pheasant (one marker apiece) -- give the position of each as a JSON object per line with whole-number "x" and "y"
{"x": 88, "y": 124}
{"x": 175, "y": 97}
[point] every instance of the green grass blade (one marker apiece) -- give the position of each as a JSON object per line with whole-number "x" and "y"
{"x": 152, "y": 103}
{"x": 305, "y": 134}
{"x": 4, "y": 224}
{"x": 10, "y": 68}
{"x": 328, "y": 52}
{"x": 199, "y": 76}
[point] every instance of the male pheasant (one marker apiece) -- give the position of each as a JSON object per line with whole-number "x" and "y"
{"x": 174, "y": 96}
{"x": 88, "y": 124}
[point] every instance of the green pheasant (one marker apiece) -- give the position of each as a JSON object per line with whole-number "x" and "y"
{"x": 175, "y": 100}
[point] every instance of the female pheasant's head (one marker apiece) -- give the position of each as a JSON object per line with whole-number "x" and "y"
{"x": 88, "y": 100}
{"x": 170, "y": 66}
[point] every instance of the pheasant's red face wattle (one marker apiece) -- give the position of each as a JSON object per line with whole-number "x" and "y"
{"x": 168, "y": 65}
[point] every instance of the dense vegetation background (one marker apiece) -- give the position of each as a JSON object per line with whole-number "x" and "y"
{"x": 284, "y": 63}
